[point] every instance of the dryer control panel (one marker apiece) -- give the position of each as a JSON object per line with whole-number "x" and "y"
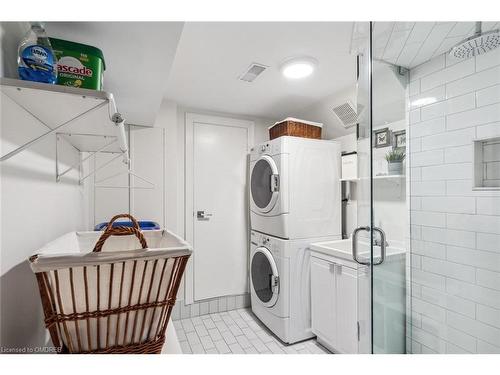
{"x": 272, "y": 147}
{"x": 263, "y": 148}
{"x": 274, "y": 245}
{"x": 259, "y": 239}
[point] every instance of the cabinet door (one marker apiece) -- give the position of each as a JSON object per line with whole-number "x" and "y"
{"x": 347, "y": 310}
{"x": 323, "y": 301}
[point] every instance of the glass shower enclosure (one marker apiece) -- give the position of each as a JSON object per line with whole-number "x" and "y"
{"x": 428, "y": 188}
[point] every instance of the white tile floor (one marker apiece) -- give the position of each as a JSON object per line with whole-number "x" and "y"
{"x": 235, "y": 332}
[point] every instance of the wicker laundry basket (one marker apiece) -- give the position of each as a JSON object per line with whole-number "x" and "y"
{"x": 110, "y": 301}
{"x": 296, "y": 128}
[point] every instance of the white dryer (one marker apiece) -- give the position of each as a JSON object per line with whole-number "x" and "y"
{"x": 280, "y": 285}
{"x": 295, "y": 188}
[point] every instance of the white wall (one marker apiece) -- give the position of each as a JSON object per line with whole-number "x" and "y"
{"x": 389, "y": 195}
{"x": 10, "y": 35}
{"x": 390, "y": 209}
{"x": 322, "y": 111}
{"x": 455, "y": 230}
{"x": 34, "y": 209}
{"x": 348, "y": 143}
{"x": 110, "y": 196}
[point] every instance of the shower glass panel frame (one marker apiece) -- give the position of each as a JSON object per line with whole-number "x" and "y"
{"x": 381, "y": 270}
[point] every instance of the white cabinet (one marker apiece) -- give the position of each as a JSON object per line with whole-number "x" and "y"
{"x": 323, "y": 304}
{"x": 334, "y": 303}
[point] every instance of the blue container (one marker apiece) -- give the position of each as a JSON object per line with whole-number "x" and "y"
{"x": 143, "y": 224}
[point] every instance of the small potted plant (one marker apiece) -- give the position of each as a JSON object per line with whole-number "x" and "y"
{"x": 395, "y": 161}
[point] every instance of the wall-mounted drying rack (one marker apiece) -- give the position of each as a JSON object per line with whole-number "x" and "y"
{"x": 129, "y": 172}
{"x": 87, "y": 119}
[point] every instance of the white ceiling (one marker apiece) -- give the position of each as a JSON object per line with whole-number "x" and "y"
{"x": 409, "y": 44}
{"x": 138, "y": 58}
{"x": 211, "y": 57}
{"x": 197, "y": 64}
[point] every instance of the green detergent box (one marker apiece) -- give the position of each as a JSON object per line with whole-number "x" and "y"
{"x": 78, "y": 65}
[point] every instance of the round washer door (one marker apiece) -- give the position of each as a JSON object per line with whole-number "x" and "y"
{"x": 264, "y": 184}
{"x": 264, "y": 277}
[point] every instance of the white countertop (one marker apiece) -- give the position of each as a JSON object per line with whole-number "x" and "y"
{"x": 343, "y": 249}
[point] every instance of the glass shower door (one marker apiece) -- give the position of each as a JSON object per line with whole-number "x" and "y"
{"x": 388, "y": 203}
{"x": 428, "y": 223}
{"x": 378, "y": 242}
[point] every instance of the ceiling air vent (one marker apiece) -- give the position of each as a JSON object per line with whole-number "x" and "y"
{"x": 346, "y": 114}
{"x": 253, "y": 71}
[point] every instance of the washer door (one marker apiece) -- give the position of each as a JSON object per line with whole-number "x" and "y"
{"x": 264, "y": 184}
{"x": 264, "y": 277}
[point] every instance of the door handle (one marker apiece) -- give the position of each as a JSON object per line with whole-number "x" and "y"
{"x": 275, "y": 183}
{"x": 274, "y": 282}
{"x": 202, "y": 215}
{"x": 355, "y": 244}
{"x": 383, "y": 245}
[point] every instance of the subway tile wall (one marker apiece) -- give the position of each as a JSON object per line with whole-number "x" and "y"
{"x": 455, "y": 230}
{"x": 210, "y": 306}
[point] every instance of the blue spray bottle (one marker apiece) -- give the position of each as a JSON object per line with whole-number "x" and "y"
{"x": 35, "y": 59}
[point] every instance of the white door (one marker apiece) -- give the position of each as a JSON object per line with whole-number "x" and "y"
{"x": 217, "y": 205}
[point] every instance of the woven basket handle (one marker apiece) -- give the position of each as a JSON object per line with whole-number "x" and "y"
{"x": 114, "y": 218}
{"x": 119, "y": 231}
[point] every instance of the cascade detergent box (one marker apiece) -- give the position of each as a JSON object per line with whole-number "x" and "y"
{"x": 78, "y": 65}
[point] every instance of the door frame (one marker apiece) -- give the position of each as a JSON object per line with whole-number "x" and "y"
{"x": 190, "y": 120}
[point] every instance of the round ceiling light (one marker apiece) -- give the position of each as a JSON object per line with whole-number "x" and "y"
{"x": 299, "y": 67}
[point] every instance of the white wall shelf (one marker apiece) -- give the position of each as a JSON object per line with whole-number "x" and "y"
{"x": 87, "y": 119}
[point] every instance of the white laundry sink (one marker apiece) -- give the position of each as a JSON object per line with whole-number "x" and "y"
{"x": 343, "y": 249}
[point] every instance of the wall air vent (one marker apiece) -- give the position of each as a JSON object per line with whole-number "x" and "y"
{"x": 253, "y": 71}
{"x": 346, "y": 113}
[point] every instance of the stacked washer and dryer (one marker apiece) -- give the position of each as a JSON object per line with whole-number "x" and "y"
{"x": 294, "y": 201}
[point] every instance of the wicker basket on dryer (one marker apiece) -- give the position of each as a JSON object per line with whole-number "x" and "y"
{"x": 296, "y": 128}
{"x": 110, "y": 299}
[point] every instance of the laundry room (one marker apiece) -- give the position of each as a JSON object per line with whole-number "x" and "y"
{"x": 251, "y": 191}
{"x": 191, "y": 164}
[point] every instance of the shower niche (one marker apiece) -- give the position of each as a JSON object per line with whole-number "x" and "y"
{"x": 486, "y": 164}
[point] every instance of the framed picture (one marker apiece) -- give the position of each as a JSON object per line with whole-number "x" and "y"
{"x": 399, "y": 141}
{"x": 382, "y": 138}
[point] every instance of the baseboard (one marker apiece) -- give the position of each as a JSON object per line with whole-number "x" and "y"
{"x": 210, "y": 306}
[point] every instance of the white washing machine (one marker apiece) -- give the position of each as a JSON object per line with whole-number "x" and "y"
{"x": 280, "y": 285}
{"x": 295, "y": 188}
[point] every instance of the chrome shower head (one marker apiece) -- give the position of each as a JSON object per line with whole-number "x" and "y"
{"x": 477, "y": 44}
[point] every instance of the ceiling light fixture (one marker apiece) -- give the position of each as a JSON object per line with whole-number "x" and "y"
{"x": 299, "y": 67}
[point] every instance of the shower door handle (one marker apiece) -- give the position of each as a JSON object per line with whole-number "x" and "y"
{"x": 383, "y": 245}
{"x": 355, "y": 244}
